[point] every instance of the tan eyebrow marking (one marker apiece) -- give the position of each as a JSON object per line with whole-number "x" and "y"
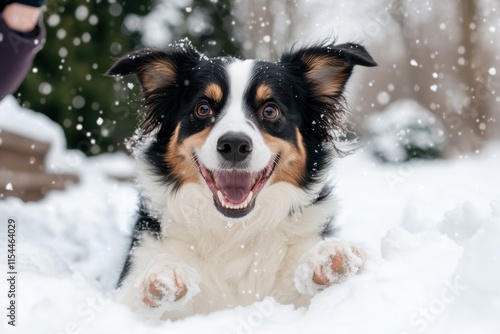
{"x": 214, "y": 92}
{"x": 263, "y": 93}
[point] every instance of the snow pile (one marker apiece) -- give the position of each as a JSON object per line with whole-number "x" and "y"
{"x": 28, "y": 123}
{"x": 430, "y": 231}
{"x": 23, "y": 121}
{"x": 406, "y": 130}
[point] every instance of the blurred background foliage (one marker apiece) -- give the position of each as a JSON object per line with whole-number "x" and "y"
{"x": 441, "y": 54}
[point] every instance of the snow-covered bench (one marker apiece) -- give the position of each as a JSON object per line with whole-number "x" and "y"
{"x": 22, "y": 168}
{"x": 29, "y": 145}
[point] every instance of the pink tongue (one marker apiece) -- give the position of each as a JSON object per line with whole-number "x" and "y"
{"x": 235, "y": 185}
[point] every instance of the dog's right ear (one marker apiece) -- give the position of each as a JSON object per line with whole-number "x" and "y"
{"x": 154, "y": 68}
{"x": 327, "y": 67}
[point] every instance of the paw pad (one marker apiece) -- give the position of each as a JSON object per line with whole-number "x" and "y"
{"x": 167, "y": 287}
{"x": 328, "y": 262}
{"x": 157, "y": 289}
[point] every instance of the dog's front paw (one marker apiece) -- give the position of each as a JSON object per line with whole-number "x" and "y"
{"x": 326, "y": 263}
{"x": 166, "y": 286}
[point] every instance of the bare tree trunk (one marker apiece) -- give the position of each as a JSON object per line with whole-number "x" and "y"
{"x": 465, "y": 134}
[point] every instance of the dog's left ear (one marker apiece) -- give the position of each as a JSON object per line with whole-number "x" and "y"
{"x": 327, "y": 68}
{"x": 156, "y": 68}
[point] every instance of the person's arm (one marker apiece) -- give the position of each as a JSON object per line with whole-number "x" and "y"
{"x": 22, "y": 36}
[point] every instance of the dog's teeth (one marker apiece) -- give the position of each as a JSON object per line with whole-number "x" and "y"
{"x": 246, "y": 201}
{"x": 239, "y": 206}
{"x": 221, "y": 197}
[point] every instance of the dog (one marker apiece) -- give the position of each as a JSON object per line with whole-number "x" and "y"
{"x": 234, "y": 165}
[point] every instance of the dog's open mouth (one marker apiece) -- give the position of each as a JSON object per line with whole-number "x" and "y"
{"x": 235, "y": 190}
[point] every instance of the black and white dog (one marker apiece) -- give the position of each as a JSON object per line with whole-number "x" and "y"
{"x": 233, "y": 172}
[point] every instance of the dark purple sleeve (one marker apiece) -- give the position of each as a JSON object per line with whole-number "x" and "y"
{"x": 17, "y": 51}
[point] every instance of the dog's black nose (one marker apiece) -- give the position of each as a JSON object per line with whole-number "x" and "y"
{"x": 234, "y": 146}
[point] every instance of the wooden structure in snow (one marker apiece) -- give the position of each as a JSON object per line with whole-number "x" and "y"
{"x": 22, "y": 168}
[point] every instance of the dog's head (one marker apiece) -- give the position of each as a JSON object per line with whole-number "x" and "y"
{"x": 240, "y": 126}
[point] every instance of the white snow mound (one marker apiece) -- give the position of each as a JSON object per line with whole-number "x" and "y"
{"x": 432, "y": 241}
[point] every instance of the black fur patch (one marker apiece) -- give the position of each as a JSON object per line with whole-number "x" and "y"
{"x": 144, "y": 224}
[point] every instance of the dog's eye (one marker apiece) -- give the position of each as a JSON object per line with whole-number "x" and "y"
{"x": 270, "y": 112}
{"x": 203, "y": 110}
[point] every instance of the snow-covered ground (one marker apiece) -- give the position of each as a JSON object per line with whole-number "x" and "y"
{"x": 432, "y": 230}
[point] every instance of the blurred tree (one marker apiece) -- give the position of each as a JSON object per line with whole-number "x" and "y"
{"x": 474, "y": 83}
{"x": 268, "y": 27}
{"x": 67, "y": 82}
{"x": 217, "y": 37}
{"x": 208, "y": 24}
{"x": 445, "y": 59}
{"x": 471, "y": 91}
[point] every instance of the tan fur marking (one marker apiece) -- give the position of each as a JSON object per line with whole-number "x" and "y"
{"x": 158, "y": 74}
{"x": 214, "y": 92}
{"x": 327, "y": 74}
{"x": 179, "y": 156}
{"x": 292, "y": 164}
{"x": 263, "y": 93}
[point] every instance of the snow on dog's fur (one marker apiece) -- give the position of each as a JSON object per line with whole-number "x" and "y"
{"x": 233, "y": 173}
